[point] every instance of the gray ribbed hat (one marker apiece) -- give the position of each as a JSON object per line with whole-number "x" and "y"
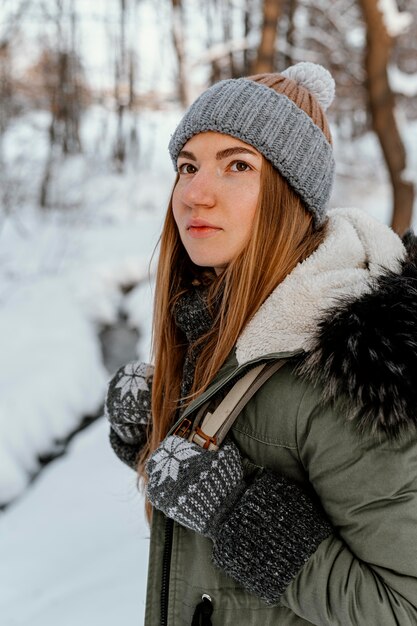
{"x": 282, "y": 116}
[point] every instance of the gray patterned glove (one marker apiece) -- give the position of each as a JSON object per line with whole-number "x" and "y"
{"x": 271, "y": 524}
{"x": 193, "y": 486}
{"x": 128, "y": 409}
{"x": 128, "y": 400}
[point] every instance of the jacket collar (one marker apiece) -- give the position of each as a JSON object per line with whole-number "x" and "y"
{"x": 357, "y": 249}
{"x": 365, "y": 351}
{"x": 352, "y": 309}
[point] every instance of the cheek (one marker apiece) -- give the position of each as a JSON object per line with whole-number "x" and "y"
{"x": 248, "y": 206}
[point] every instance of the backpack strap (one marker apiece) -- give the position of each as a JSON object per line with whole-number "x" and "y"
{"x": 212, "y": 430}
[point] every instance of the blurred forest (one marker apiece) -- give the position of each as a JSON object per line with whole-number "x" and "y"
{"x": 65, "y": 57}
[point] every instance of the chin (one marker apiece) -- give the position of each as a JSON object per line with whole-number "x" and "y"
{"x": 206, "y": 260}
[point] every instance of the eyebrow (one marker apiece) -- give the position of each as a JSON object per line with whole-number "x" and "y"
{"x": 222, "y": 154}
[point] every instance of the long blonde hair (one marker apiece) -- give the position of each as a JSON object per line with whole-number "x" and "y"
{"x": 283, "y": 235}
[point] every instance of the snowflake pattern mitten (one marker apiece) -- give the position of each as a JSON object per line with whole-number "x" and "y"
{"x": 128, "y": 401}
{"x": 193, "y": 486}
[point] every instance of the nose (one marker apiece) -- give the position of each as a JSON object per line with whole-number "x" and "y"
{"x": 200, "y": 190}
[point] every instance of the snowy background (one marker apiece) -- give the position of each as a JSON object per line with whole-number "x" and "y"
{"x": 76, "y": 294}
{"x": 73, "y": 541}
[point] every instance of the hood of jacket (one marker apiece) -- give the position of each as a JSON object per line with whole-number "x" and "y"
{"x": 351, "y": 307}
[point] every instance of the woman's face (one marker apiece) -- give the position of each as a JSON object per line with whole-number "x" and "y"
{"x": 215, "y": 198}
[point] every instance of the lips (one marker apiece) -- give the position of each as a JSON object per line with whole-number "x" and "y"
{"x": 200, "y": 223}
{"x": 200, "y": 229}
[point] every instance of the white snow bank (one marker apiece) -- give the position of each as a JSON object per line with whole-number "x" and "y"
{"x": 51, "y": 375}
{"x": 57, "y": 286}
{"x": 74, "y": 548}
{"x": 138, "y": 309}
{"x": 60, "y": 281}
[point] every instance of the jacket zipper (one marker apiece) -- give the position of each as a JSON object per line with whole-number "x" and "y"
{"x": 166, "y": 567}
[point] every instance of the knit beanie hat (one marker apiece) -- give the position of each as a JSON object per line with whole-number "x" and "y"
{"x": 283, "y": 117}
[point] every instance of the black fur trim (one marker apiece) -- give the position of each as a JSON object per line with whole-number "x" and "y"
{"x": 366, "y": 351}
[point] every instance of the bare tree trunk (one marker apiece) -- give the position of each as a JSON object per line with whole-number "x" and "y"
{"x": 120, "y": 80}
{"x": 266, "y": 50}
{"x": 62, "y": 79}
{"x": 247, "y": 24}
{"x": 74, "y": 105}
{"x": 227, "y": 35}
{"x": 215, "y": 74}
{"x": 46, "y": 181}
{"x": 178, "y": 41}
{"x": 125, "y": 146}
{"x": 290, "y": 9}
{"x": 381, "y": 103}
{"x": 6, "y": 84}
{"x": 132, "y": 67}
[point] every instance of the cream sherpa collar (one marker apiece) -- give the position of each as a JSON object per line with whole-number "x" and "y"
{"x": 357, "y": 249}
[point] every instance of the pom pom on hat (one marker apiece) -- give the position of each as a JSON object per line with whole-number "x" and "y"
{"x": 315, "y": 78}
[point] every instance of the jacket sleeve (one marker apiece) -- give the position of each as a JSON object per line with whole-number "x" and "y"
{"x": 128, "y": 409}
{"x": 366, "y": 573}
{"x": 353, "y": 563}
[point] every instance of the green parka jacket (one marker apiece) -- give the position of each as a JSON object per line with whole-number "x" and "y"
{"x": 339, "y": 419}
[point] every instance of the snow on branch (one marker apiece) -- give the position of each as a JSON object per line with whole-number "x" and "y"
{"x": 219, "y": 51}
{"x": 402, "y": 83}
{"x": 396, "y": 22}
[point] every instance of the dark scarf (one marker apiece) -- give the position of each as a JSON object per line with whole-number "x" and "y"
{"x": 193, "y": 318}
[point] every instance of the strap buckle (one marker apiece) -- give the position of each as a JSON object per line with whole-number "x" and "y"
{"x": 204, "y": 440}
{"x": 183, "y": 428}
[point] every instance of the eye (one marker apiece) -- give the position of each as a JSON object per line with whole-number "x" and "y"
{"x": 240, "y": 166}
{"x": 187, "y": 168}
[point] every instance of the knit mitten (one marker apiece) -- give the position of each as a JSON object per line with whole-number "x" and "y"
{"x": 263, "y": 533}
{"x": 193, "y": 486}
{"x": 128, "y": 409}
{"x": 269, "y": 535}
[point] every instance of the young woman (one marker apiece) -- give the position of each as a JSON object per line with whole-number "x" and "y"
{"x": 307, "y": 514}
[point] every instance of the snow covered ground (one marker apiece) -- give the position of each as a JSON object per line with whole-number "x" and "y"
{"x": 73, "y": 544}
{"x": 49, "y": 321}
{"x": 74, "y": 549}
{"x": 61, "y": 279}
